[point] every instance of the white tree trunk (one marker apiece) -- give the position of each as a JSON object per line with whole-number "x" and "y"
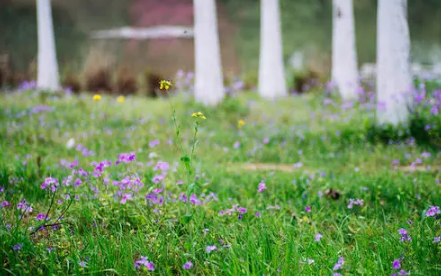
{"x": 48, "y": 77}
{"x": 209, "y": 88}
{"x": 394, "y": 78}
{"x": 344, "y": 53}
{"x": 272, "y": 83}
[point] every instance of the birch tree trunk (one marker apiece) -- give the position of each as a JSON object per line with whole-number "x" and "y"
{"x": 344, "y": 53}
{"x": 209, "y": 87}
{"x": 47, "y": 74}
{"x": 272, "y": 83}
{"x": 394, "y": 77}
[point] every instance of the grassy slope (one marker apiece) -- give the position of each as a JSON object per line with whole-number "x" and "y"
{"x": 110, "y": 236}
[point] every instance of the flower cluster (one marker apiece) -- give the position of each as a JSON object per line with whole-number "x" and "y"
{"x": 353, "y": 202}
{"x": 262, "y": 187}
{"x": 338, "y": 266}
{"x": 144, "y": 262}
{"x": 198, "y": 115}
{"x": 125, "y": 158}
{"x": 51, "y": 183}
{"x": 164, "y": 85}
{"x": 404, "y": 235}
{"x": 433, "y": 211}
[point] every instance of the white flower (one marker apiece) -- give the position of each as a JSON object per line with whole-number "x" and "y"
{"x": 153, "y": 155}
{"x": 70, "y": 143}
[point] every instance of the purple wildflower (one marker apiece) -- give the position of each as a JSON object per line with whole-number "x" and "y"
{"x": 404, "y": 235}
{"x": 339, "y": 264}
{"x": 82, "y": 264}
{"x": 433, "y": 210}
{"x": 187, "y": 265}
{"x": 396, "y": 264}
{"x": 50, "y": 182}
{"x": 17, "y": 247}
{"x": 126, "y": 197}
{"x": 353, "y": 202}
{"x": 318, "y": 237}
{"x": 210, "y": 248}
{"x": 262, "y": 187}
{"x": 40, "y": 216}
{"x": 437, "y": 239}
{"x": 5, "y": 204}
{"x": 144, "y": 261}
{"x": 126, "y": 158}
{"x": 163, "y": 166}
{"x": 308, "y": 209}
{"x": 153, "y": 143}
{"x": 242, "y": 210}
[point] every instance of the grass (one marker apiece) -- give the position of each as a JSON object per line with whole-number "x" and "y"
{"x": 96, "y": 232}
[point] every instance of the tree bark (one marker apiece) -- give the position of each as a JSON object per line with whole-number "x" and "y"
{"x": 344, "y": 53}
{"x": 394, "y": 78}
{"x": 209, "y": 87}
{"x": 47, "y": 75}
{"x": 272, "y": 83}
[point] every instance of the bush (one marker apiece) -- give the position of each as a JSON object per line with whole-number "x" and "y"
{"x": 303, "y": 81}
{"x": 151, "y": 85}
{"x": 99, "y": 81}
{"x": 73, "y": 83}
{"x": 126, "y": 82}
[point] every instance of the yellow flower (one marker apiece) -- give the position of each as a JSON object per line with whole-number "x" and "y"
{"x": 120, "y": 99}
{"x": 96, "y": 98}
{"x": 198, "y": 115}
{"x": 240, "y": 123}
{"x": 164, "y": 85}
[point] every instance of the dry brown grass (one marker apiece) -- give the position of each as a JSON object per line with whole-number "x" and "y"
{"x": 97, "y": 71}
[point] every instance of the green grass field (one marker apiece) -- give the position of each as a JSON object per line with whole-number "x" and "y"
{"x": 323, "y": 200}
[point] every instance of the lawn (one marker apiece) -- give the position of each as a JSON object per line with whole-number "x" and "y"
{"x": 112, "y": 188}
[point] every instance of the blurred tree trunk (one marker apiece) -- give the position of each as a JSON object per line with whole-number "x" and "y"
{"x": 272, "y": 83}
{"x": 47, "y": 75}
{"x": 394, "y": 78}
{"x": 209, "y": 87}
{"x": 344, "y": 53}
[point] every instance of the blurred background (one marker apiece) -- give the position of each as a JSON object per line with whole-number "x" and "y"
{"x": 306, "y": 25}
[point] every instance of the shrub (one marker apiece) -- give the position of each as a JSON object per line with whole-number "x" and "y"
{"x": 73, "y": 83}
{"x": 151, "y": 85}
{"x": 99, "y": 81}
{"x": 303, "y": 81}
{"x": 126, "y": 82}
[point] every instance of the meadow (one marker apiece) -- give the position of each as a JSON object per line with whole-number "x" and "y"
{"x": 135, "y": 186}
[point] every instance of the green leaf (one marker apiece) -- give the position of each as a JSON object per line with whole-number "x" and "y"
{"x": 191, "y": 188}
{"x": 185, "y": 159}
{"x": 187, "y": 218}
